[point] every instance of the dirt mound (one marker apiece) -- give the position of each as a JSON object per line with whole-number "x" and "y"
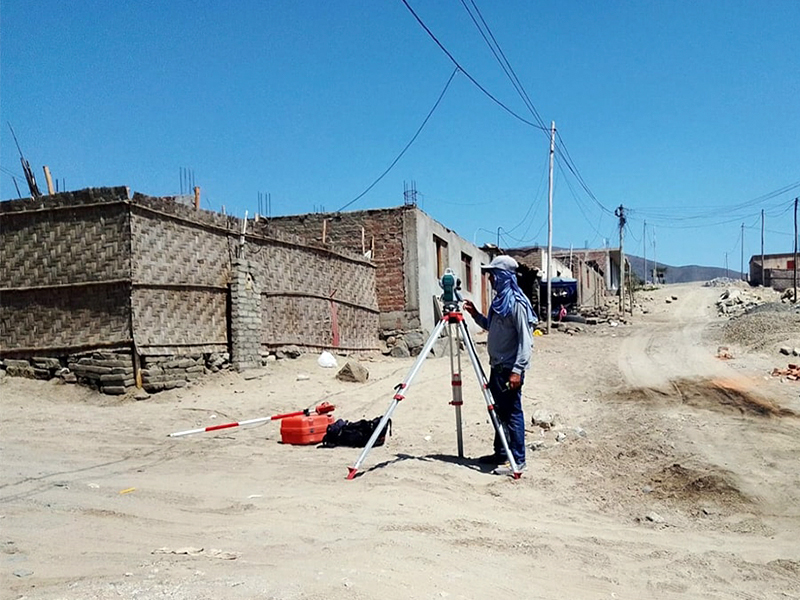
{"x": 725, "y": 396}
{"x": 709, "y": 394}
{"x": 764, "y": 328}
{"x": 681, "y": 483}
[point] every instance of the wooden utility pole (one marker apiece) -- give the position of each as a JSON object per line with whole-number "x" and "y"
{"x": 655, "y": 258}
{"x": 620, "y": 212}
{"x": 762, "y": 246}
{"x": 550, "y": 228}
{"x": 644, "y": 247}
{"x": 743, "y": 279}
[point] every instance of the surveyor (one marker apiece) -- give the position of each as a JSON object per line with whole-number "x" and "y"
{"x": 510, "y": 323}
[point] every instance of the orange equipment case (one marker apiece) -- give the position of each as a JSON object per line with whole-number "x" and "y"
{"x": 305, "y": 429}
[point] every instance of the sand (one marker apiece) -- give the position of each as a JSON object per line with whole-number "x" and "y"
{"x": 678, "y": 477}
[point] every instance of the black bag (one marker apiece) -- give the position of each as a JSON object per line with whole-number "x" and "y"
{"x": 355, "y": 434}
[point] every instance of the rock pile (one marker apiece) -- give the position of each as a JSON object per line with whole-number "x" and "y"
{"x": 736, "y": 300}
{"x": 768, "y": 326}
{"x": 721, "y": 282}
{"x": 402, "y": 344}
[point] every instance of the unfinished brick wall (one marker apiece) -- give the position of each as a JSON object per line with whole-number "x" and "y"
{"x": 343, "y": 231}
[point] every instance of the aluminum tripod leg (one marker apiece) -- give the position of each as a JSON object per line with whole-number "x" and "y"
{"x": 487, "y": 396}
{"x": 399, "y": 395}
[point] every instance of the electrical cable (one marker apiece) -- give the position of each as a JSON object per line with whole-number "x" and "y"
{"x": 408, "y": 145}
{"x": 504, "y": 63}
{"x": 470, "y": 77}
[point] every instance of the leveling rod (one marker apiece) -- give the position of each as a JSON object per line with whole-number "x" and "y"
{"x": 320, "y": 410}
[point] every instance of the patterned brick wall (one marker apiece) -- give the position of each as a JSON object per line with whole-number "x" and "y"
{"x": 181, "y": 262}
{"x": 65, "y": 239}
{"x": 65, "y": 271}
{"x": 301, "y": 288}
{"x": 343, "y": 232}
{"x": 95, "y": 269}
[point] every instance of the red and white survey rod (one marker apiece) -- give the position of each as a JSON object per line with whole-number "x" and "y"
{"x": 320, "y": 410}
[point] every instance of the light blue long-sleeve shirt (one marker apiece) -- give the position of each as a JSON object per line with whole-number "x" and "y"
{"x": 510, "y": 339}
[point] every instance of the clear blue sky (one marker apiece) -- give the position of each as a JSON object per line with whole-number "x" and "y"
{"x": 673, "y": 109}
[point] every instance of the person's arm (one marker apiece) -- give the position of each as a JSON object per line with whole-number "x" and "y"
{"x": 480, "y": 319}
{"x": 524, "y": 339}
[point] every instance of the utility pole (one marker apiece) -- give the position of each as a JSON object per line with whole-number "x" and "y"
{"x": 644, "y": 247}
{"x": 762, "y": 246}
{"x": 550, "y": 228}
{"x": 795, "y": 249}
{"x": 655, "y": 258}
{"x": 726, "y": 265}
{"x": 620, "y": 212}
{"x": 743, "y": 279}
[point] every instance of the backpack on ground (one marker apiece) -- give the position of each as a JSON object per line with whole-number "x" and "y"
{"x": 354, "y": 434}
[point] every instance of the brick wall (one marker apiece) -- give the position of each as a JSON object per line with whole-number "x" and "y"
{"x": 95, "y": 269}
{"x": 65, "y": 271}
{"x": 343, "y": 232}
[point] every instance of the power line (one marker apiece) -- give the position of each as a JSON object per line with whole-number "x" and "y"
{"x": 408, "y": 145}
{"x": 470, "y": 77}
{"x": 504, "y": 63}
{"x": 710, "y": 211}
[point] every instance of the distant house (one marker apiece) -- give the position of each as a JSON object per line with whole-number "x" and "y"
{"x": 776, "y": 272}
{"x": 410, "y": 249}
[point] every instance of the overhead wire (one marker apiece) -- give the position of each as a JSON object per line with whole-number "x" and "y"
{"x": 408, "y": 145}
{"x": 466, "y": 73}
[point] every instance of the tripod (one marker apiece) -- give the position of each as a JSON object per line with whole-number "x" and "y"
{"x": 456, "y": 332}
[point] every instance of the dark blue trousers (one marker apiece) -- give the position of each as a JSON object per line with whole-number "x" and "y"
{"x": 508, "y": 407}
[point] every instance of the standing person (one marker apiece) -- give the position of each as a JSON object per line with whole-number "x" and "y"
{"x": 510, "y": 323}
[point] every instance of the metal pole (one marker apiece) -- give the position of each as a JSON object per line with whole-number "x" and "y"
{"x": 550, "y": 228}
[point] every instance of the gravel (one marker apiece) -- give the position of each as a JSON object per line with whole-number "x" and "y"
{"x": 764, "y": 326}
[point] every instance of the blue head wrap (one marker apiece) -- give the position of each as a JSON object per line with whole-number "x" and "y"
{"x": 508, "y": 293}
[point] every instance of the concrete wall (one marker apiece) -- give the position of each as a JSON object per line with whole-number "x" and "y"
{"x": 400, "y": 243}
{"x": 427, "y": 280}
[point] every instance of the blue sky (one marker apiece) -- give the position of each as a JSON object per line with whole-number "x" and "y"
{"x": 685, "y": 112}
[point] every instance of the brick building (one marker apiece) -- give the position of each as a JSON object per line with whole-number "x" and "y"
{"x": 410, "y": 250}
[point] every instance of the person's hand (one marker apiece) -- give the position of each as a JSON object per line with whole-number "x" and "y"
{"x": 470, "y": 308}
{"x": 514, "y": 381}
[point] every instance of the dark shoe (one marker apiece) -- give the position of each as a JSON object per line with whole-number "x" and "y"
{"x": 492, "y": 459}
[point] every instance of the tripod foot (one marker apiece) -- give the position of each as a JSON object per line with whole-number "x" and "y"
{"x": 518, "y": 475}
{"x": 351, "y": 472}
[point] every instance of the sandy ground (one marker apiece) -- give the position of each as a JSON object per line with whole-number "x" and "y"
{"x": 679, "y": 477}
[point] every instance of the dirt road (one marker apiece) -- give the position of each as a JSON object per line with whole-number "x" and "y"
{"x": 678, "y": 478}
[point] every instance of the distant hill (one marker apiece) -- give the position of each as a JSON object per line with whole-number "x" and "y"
{"x": 683, "y": 274}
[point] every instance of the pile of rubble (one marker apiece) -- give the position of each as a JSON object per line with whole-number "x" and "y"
{"x": 398, "y": 343}
{"x": 792, "y": 373}
{"x": 721, "y": 282}
{"x": 736, "y": 301}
